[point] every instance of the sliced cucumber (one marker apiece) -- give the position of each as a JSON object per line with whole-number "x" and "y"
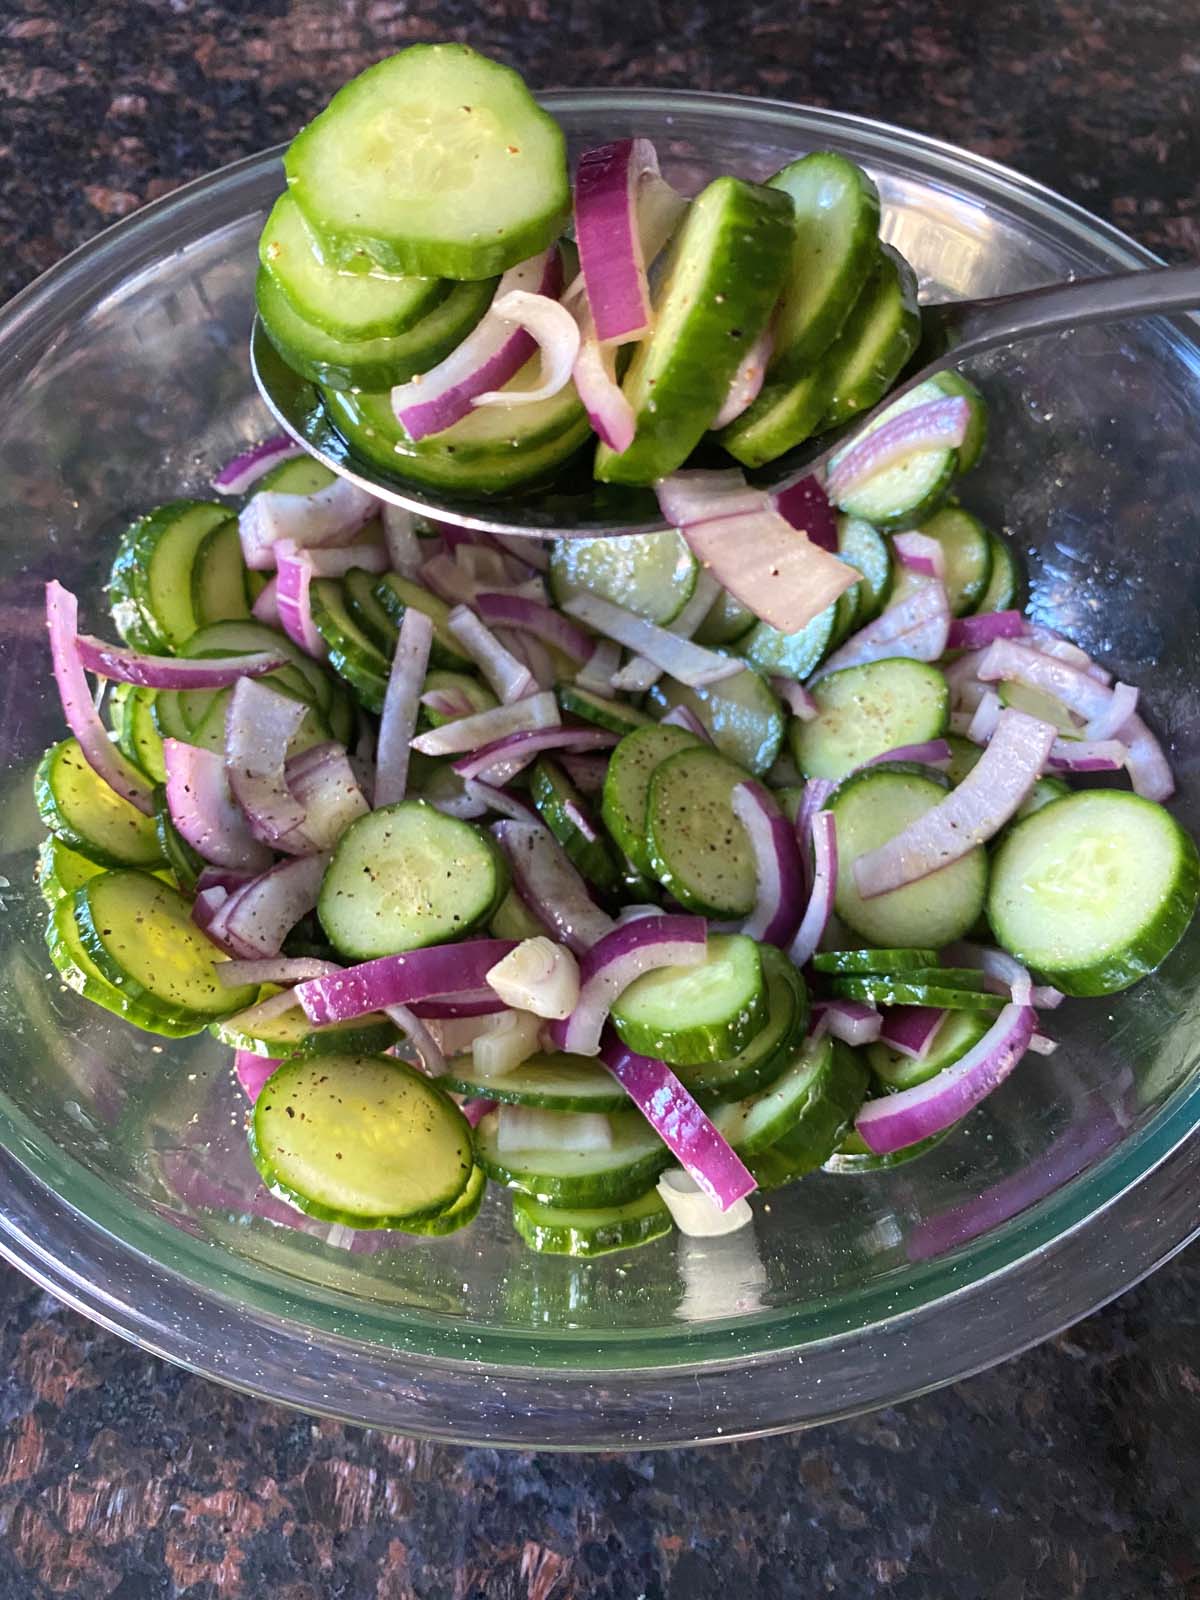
{"x": 476, "y": 695}
{"x": 395, "y": 594}
{"x": 957, "y": 1033}
{"x": 137, "y": 737}
{"x": 1004, "y": 586}
{"x": 627, "y": 786}
{"x": 845, "y": 614}
{"x": 742, "y": 715}
{"x": 1037, "y": 703}
{"x": 562, "y": 808}
{"x": 697, "y": 848}
{"x": 783, "y": 415}
{"x": 862, "y": 546}
{"x": 863, "y": 712}
{"x": 836, "y": 1089}
{"x": 871, "y": 807}
{"x": 186, "y": 866}
{"x": 209, "y": 731}
{"x": 493, "y": 450}
{"x": 590, "y": 1231}
{"x": 87, "y": 816}
{"x": 358, "y": 593}
{"x": 464, "y": 1211}
{"x": 770, "y": 1050}
{"x": 916, "y": 989}
{"x": 1094, "y": 890}
{"x": 567, "y": 1177}
{"x": 727, "y": 621}
{"x": 301, "y": 475}
{"x": 967, "y": 552}
{"x": 366, "y": 305}
{"x": 304, "y": 677}
{"x": 650, "y": 574}
{"x": 553, "y": 1082}
{"x": 79, "y": 972}
{"x": 60, "y": 870}
{"x": 852, "y": 1158}
{"x": 791, "y": 655}
{"x": 726, "y": 266}
{"x": 434, "y": 161}
{"x": 877, "y": 339}
{"x": 140, "y": 934}
{"x": 901, "y": 495}
{"x": 220, "y": 581}
{"x": 1043, "y": 792}
{"x": 810, "y": 1104}
{"x": 290, "y": 1033}
{"x": 351, "y": 654}
{"x": 690, "y": 1015}
{"x": 362, "y": 1140}
{"x": 406, "y": 876}
{"x": 512, "y": 919}
{"x": 150, "y": 587}
{"x": 845, "y": 962}
{"x": 614, "y": 715}
{"x": 963, "y": 756}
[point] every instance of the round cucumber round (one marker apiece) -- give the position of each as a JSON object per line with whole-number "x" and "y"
{"x": 89, "y": 817}
{"x": 395, "y": 594}
{"x": 561, "y": 807}
{"x": 60, "y": 870}
{"x": 459, "y": 1215}
{"x": 770, "y": 1050}
{"x": 651, "y": 574}
{"x": 627, "y": 786}
{"x": 916, "y": 989}
{"x": 689, "y": 1015}
{"x": 697, "y": 848}
{"x": 783, "y": 416}
{"x": 863, "y": 712}
{"x": 590, "y": 1231}
{"x": 1004, "y": 586}
{"x": 901, "y": 495}
{"x": 742, "y": 714}
{"x": 150, "y": 585}
{"x": 79, "y": 972}
{"x": 967, "y": 553}
{"x": 290, "y": 1033}
{"x": 862, "y": 546}
{"x": 791, "y": 655}
{"x": 727, "y": 621}
{"x": 358, "y": 592}
{"x": 807, "y": 1109}
{"x": 876, "y": 340}
{"x": 349, "y": 651}
{"x": 220, "y": 580}
{"x": 613, "y": 715}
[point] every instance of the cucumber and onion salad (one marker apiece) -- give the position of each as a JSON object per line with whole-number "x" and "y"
{"x": 568, "y": 869}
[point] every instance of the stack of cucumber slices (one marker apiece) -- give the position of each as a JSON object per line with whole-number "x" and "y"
{"x": 558, "y": 868}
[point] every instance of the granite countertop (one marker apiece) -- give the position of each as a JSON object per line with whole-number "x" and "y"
{"x": 1073, "y": 1471}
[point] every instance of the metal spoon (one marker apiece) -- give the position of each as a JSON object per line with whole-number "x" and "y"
{"x": 578, "y": 507}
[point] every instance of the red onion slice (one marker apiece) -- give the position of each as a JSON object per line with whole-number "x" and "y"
{"x": 984, "y": 718}
{"x": 403, "y": 546}
{"x": 779, "y": 875}
{"x": 504, "y": 804}
{"x": 917, "y": 627}
{"x": 596, "y": 674}
{"x": 852, "y": 1021}
{"x": 329, "y": 792}
{"x": 422, "y": 1042}
{"x": 932, "y": 753}
{"x": 595, "y": 374}
{"x": 920, "y": 553}
{"x": 491, "y": 354}
{"x": 796, "y": 698}
{"x": 746, "y": 383}
{"x": 706, "y": 495}
{"x": 815, "y": 798}
{"x": 531, "y": 616}
{"x": 622, "y": 955}
{"x": 896, "y": 1120}
{"x": 1009, "y": 662}
{"x": 79, "y": 708}
{"x": 685, "y": 717}
{"x": 252, "y": 1071}
{"x": 333, "y": 515}
{"x": 266, "y": 607}
{"x": 909, "y": 1030}
{"x": 1116, "y": 714}
{"x": 1149, "y": 770}
{"x": 686, "y": 662}
{"x": 273, "y": 969}
{"x": 586, "y": 772}
{"x": 548, "y": 883}
{"x": 681, "y": 1125}
{"x": 971, "y": 814}
{"x": 260, "y": 725}
{"x": 401, "y": 702}
{"x": 556, "y": 334}
{"x": 336, "y": 563}
{"x": 1087, "y": 755}
{"x": 236, "y": 476}
{"x": 937, "y": 425}
{"x": 114, "y": 662}
{"x": 824, "y": 889}
{"x": 440, "y": 972}
{"x": 258, "y": 918}
{"x": 511, "y": 679}
{"x": 500, "y": 761}
{"x": 531, "y": 715}
{"x": 203, "y": 810}
{"x": 806, "y": 507}
{"x": 977, "y": 632}
{"x": 611, "y": 258}
{"x": 293, "y": 577}
{"x": 640, "y": 673}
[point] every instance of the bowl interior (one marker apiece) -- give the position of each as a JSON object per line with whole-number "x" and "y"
{"x": 125, "y": 383}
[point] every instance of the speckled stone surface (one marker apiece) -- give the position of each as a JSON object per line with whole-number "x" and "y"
{"x": 1071, "y": 1472}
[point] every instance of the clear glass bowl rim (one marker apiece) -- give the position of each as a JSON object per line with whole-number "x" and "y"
{"x": 767, "y": 1372}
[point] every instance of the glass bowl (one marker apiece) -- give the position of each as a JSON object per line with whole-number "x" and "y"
{"x": 125, "y": 1185}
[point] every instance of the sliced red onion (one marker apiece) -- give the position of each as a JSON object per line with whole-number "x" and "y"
{"x": 705, "y": 495}
{"x": 611, "y": 964}
{"x": 468, "y": 1003}
{"x": 611, "y": 255}
{"x": 815, "y": 798}
{"x": 529, "y": 551}
{"x": 1042, "y": 1046}
{"x": 255, "y": 1018}
{"x": 294, "y": 575}
{"x": 770, "y": 567}
{"x": 852, "y": 1021}
{"x": 1116, "y": 714}
{"x": 273, "y": 969}
{"x": 586, "y": 772}
{"x": 494, "y": 570}
{"x": 500, "y": 761}
{"x": 206, "y": 907}
{"x": 266, "y": 607}
{"x": 447, "y": 702}
{"x": 1003, "y": 974}
{"x": 746, "y": 383}
{"x": 450, "y": 582}
{"x": 336, "y": 563}
{"x": 204, "y": 812}
{"x": 475, "y": 1110}
{"x": 595, "y": 374}
{"x": 329, "y": 792}
{"x": 966, "y": 691}
{"x": 778, "y": 873}
{"x": 686, "y": 1131}
{"x": 931, "y": 753}
{"x": 534, "y": 713}
{"x": 510, "y": 678}
{"x": 596, "y": 674}
{"x": 971, "y": 814}
{"x": 236, "y": 476}
{"x": 824, "y": 889}
{"x": 684, "y": 717}
{"x": 403, "y": 546}
{"x": 530, "y": 616}
{"x": 1052, "y": 643}
{"x": 686, "y": 662}
{"x": 1149, "y": 770}
{"x": 1087, "y": 755}
{"x": 896, "y": 1120}
{"x": 119, "y": 665}
{"x": 909, "y": 1030}
{"x": 260, "y": 725}
{"x": 977, "y": 632}
{"x": 986, "y": 715}
{"x": 421, "y": 1041}
{"x": 640, "y": 673}
{"x": 920, "y": 553}
{"x": 442, "y": 971}
{"x": 252, "y": 1071}
{"x": 492, "y": 354}
{"x": 257, "y": 919}
{"x": 401, "y": 701}
{"x": 916, "y": 627}
{"x": 937, "y": 425}
{"x": 226, "y": 878}
{"x": 333, "y": 515}
{"x": 806, "y": 506}
{"x": 1010, "y": 662}
{"x": 501, "y": 801}
{"x": 105, "y": 760}
{"x": 796, "y": 698}
{"x": 533, "y": 653}
{"x": 556, "y": 334}
{"x": 547, "y": 881}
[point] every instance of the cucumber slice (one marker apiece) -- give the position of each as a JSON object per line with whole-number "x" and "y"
{"x": 290, "y": 1033}
{"x": 845, "y": 615}
{"x": 963, "y": 756}
{"x": 590, "y": 1231}
{"x": 1037, "y": 703}
{"x": 301, "y": 475}
{"x": 358, "y": 594}
{"x": 493, "y": 450}
{"x": 852, "y": 1158}
{"x": 902, "y": 495}
{"x": 861, "y": 546}
{"x": 406, "y": 876}
{"x": 220, "y": 588}
{"x": 1043, "y": 792}
{"x": 351, "y": 654}
{"x": 967, "y": 551}
{"x": 916, "y": 989}
{"x": 1094, "y": 890}
{"x": 791, "y": 655}
{"x": 464, "y": 1211}
{"x": 627, "y": 786}
{"x": 972, "y": 447}
{"x": 1004, "y": 586}
{"x": 559, "y": 804}
{"x": 341, "y": 364}
{"x": 650, "y": 574}
{"x": 614, "y": 715}
{"x": 836, "y": 1089}
{"x": 477, "y": 695}
{"x": 150, "y": 587}
{"x": 79, "y": 972}
{"x": 808, "y": 1104}
{"x": 367, "y": 305}
{"x": 783, "y": 415}
{"x": 552, "y": 1081}
{"x": 186, "y": 866}
{"x": 140, "y": 934}
{"x": 362, "y": 1140}
{"x": 304, "y": 678}
{"x": 512, "y": 919}
{"x": 957, "y": 1033}
{"x": 846, "y": 962}
{"x": 137, "y": 736}
{"x": 728, "y": 620}
{"x": 88, "y": 817}
{"x": 871, "y": 807}
{"x": 566, "y": 1177}
{"x": 434, "y": 161}
{"x": 742, "y": 714}
{"x": 866, "y": 711}
{"x": 836, "y": 224}
{"x": 770, "y": 1050}
{"x": 724, "y": 271}
{"x": 395, "y": 594}
{"x": 698, "y": 850}
{"x": 878, "y": 337}
{"x": 689, "y": 1015}
{"x": 61, "y": 870}
{"x": 209, "y": 732}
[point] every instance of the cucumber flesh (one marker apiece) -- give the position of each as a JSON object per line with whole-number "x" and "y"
{"x": 689, "y": 1015}
{"x": 1037, "y": 703}
{"x": 970, "y": 450}
{"x": 351, "y": 654}
{"x": 79, "y": 972}
{"x": 727, "y": 621}
{"x": 220, "y": 581}
{"x": 742, "y": 714}
{"x": 651, "y": 574}
{"x": 560, "y": 806}
{"x": 792, "y": 655}
{"x": 567, "y": 1177}
{"x": 967, "y": 552}
{"x": 806, "y": 1105}
{"x": 863, "y": 712}
{"x": 151, "y": 581}
{"x": 1043, "y": 792}
{"x": 551, "y": 1081}
{"x": 770, "y": 1050}
{"x": 879, "y": 336}
{"x": 861, "y": 546}
{"x": 627, "y": 786}
{"x": 464, "y": 1210}
{"x": 358, "y": 593}
{"x": 291, "y": 1033}
{"x": 1004, "y": 586}
{"x": 964, "y": 756}
{"x": 698, "y": 850}
{"x": 845, "y": 962}
{"x": 590, "y": 1231}
{"x": 60, "y": 870}
{"x": 613, "y": 715}
{"x": 916, "y": 989}
{"x": 396, "y": 594}
{"x": 957, "y": 1033}
{"x": 87, "y": 816}
{"x": 783, "y": 416}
